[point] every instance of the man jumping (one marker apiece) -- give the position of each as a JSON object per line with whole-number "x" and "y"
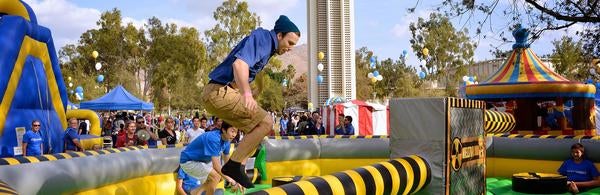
{"x": 228, "y": 94}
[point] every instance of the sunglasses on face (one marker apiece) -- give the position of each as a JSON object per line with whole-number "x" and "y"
{"x": 139, "y": 122}
{"x": 36, "y": 125}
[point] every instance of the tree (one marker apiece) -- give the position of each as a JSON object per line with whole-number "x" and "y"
{"x": 537, "y": 15}
{"x": 115, "y": 43}
{"x": 234, "y": 22}
{"x": 450, "y": 51}
{"x": 567, "y": 58}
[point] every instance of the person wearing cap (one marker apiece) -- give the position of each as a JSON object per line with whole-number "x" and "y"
{"x": 228, "y": 94}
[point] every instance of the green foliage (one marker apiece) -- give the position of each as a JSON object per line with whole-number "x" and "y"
{"x": 234, "y": 22}
{"x": 567, "y": 58}
{"x": 399, "y": 79}
{"x": 450, "y": 51}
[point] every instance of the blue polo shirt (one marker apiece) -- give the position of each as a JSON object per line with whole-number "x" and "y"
{"x": 583, "y": 171}
{"x": 34, "y": 143}
{"x": 70, "y": 134}
{"x": 204, "y": 147}
{"x": 256, "y": 50}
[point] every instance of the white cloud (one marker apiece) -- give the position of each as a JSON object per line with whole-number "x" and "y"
{"x": 137, "y": 23}
{"x": 66, "y": 20}
{"x": 401, "y": 30}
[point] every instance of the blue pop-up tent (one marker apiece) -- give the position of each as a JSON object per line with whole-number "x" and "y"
{"x": 117, "y": 99}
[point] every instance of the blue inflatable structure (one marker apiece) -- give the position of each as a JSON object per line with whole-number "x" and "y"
{"x": 31, "y": 83}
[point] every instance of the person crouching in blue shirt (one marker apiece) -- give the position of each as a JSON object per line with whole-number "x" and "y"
{"x": 32, "y": 140}
{"x": 581, "y": 173}
{"x": 201, "y": 158}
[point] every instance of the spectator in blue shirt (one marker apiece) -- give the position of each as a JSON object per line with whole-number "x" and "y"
{"x": 346, "y": 128}
{"x": 71, "y": 137}
{"x": 201, "y": 158}
{"x": 581, "y": 173}
{"x": 283, "y": 124}
{"x": 228, "y": 94}
{"x": 32, "y": 140}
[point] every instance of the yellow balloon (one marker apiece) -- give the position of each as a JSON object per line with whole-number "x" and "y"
{"x": 425, "y": 51}
{"x": 69, "y": 78}
{"x": 321, "y": 55}
{"x": 95, "y": 54}
{"x": 373, "y": 80}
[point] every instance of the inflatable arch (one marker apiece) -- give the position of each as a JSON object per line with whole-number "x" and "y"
{"x": 31, "y": 84}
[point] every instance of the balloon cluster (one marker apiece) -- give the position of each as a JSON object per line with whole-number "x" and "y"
{"x": 375, "y": 76}
{"x": 284, "y": 83}
{"x": 373, "y": 63}
{"x": 320, "y": 67}
{"x": 470, "y": 80}
{"x": 98, "y": 66}
{"x": 79, "y": 93}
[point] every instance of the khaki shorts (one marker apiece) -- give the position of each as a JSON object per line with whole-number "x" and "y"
{"x": 227, "y": 103}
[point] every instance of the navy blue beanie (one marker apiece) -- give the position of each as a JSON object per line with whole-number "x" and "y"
{"x": 283, "y": 25}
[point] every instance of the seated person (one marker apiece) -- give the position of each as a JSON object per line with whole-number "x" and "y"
{"x": 581, "y": 173}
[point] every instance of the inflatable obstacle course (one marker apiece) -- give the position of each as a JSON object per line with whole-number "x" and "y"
{"x": 31, "y": 84}
{"x": 448, "y": 133}
{"x": 400, "y": 176}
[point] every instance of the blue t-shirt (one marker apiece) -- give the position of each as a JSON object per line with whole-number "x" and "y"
{"x": 349, "y": 130}
{"x": 34, "y": 143}
{"x": 70, "y": 134}
{"x": 255, "y": 50}
{"x": 583, "y": 171}
{"x": 189, "y": 183}
{"x": 204, "y": 147}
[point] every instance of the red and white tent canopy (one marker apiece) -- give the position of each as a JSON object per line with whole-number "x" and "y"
{"x": 367, "y": 118}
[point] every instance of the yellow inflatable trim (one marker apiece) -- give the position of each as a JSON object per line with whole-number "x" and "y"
{"x": 87, "y": 115}
{"x": 14, "y": 7}
{"x": 314, "y": 167}
{"x": 153, "y": 184}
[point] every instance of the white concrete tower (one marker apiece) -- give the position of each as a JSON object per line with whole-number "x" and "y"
{"x": 331, "y": 31}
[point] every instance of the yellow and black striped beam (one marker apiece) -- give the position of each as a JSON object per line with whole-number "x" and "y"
{"x": 498, "y": 122}
{"x": 533, "y": 136}
{"x": 399, "y": 176}
{"x": 465, "y": 103}
{"x": 5, "y": 189}
{"x": 68, "y": 155}
{"x": 329, "y": 136}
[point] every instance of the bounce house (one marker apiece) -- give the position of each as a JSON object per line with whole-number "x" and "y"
{"x": 31, "y": 84}
{"x": 542, "y": 101}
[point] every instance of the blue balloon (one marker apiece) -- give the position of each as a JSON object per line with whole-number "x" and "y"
{"x": 100, "y": 78}
{"x": 590, "y": 80}
{"x": 404, "y": 52}
{"x": 372, "y": 59}
{"x": 79, "y": 89}
{"x": 372, "y": 64}
{"x": 375, "y": 73}
{"x": 471, "y": 79}
{"x": 422, "y": 75}
{"x": 319, "y": 79}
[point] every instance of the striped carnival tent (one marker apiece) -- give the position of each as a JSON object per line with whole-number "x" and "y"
{"x": 367, "y": 118}
{"x": 536, "y": 95}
